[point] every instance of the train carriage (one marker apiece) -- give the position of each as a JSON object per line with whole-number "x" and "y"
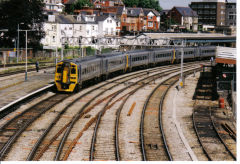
{"x": 70, "y": 74}
{"x": 163, "y": 55}
{"x": 113, "y": 62}
{"x": 139, "y": 58}
{"x": 207, "y": 52}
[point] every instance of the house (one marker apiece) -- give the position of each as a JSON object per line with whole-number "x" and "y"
{"x": 53, "y": 6}
{"x": 132, "y": 19}
{"x": 108, "y": 26}
{"x": 115, "y": 12}
{"x": 185, "y": 18}
{"x": 107, "y": 3}
{"x": 151, "y": 20}
{"x": 76, "y": 30}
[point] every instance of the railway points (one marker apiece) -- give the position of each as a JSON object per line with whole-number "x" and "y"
{"x": 103, "y": 120}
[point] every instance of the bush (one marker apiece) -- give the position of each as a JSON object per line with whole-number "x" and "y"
{"x": 107, "y": 50}
{"x": 90, "y": 51}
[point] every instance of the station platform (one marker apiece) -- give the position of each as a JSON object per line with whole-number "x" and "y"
{"x": 14, "y": 87}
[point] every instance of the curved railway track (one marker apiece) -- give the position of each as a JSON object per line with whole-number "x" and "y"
{"x": 208, "y": 137}
{"x": 88, "y": 112}
{"x": 14, "y": 127}
{"x": 97, "y": 150}
{"x": 224, "y": 138}
{"x": 37, "y": 154}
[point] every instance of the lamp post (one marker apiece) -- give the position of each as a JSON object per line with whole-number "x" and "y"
{"x": 182, "y": 54}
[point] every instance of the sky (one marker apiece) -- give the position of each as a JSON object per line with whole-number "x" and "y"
{"x": 168, "y": 4}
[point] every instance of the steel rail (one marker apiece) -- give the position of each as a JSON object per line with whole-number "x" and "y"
{"x": 67, "y": 132}
{"x": 32, "y": 153}
{"x": 26, "y": 123}
{"x": 195, "y": 128}
{"x": 92, "y": 147}
{"x": 72, "y": 144}
{"x": 221, "y": 139}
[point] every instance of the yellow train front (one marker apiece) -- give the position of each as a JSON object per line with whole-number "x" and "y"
{"x": 66, "y": 76}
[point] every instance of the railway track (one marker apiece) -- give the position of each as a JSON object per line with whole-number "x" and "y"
{"x": 210, "y": 139}
{"x": 10, "y": 131}
{"x": 96, "y": 152}
{"x": 39, "y": 150}
{"x": 222, "y": 129}
{"x": 59, "y": 140}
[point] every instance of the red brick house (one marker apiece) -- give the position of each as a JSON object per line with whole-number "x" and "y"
{"x": 151, "y": 20}
{"x": 185, "y": 18}
{"x": 132, "y": 19}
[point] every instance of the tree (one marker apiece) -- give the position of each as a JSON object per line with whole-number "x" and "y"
{"x": 29, "y": 15}
{"x": 154, "y": 4}
{"x": 131, "y": 3}
{"x": 79, "y": 4}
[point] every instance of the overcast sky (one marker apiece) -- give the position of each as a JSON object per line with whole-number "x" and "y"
{"x": 168, "y": 4}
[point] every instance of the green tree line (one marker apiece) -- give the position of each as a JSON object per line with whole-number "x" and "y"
{"x": 154, "y": 4}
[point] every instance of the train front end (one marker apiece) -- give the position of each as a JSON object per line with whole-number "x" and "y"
{"x": 66, "y": 78}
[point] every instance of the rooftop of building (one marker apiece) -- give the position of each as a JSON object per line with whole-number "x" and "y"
{"x": 186, "y": 11}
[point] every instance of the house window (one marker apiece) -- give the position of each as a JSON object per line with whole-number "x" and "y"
{"x": 54, "y": 27}
{"x": 80, "y": 28}
{"x": 150, "y": 17}
{"x": 230, "y": 17}
{"x": 150, "y": 24}
{"x": 70, "y": 28}
{"x": 92, "y": 27}
{"x": 110, "y": 21}
{"x": 54, "y": 39}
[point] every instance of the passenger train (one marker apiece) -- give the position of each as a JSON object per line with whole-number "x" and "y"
{"x": 71, "y": 74}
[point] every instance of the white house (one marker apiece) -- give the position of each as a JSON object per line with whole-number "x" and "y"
{"x": 52, "y": 32}
{"x": 107, "y": 25}
{"x": 53, "y": 5}
{"x": 76, "y": 30}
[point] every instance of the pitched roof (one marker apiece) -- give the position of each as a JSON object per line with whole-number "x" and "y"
{"x": 133, "y": 12}
{"x": 64, "y": 19}
{"x": 146, "y": 11}
{"x": 186, "y": 11}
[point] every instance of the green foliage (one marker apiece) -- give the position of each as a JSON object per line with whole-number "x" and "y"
{"x": 107, "y": 50}
{"x": 28, "y": 12}
{"x": 79, "y": 4}
{"x": 154, "y": 4}
{"x": 90, "y": 51}
{"x": 131, "y": 3}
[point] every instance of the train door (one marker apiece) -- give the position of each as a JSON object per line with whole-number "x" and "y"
{"x": 65, "y": 75}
